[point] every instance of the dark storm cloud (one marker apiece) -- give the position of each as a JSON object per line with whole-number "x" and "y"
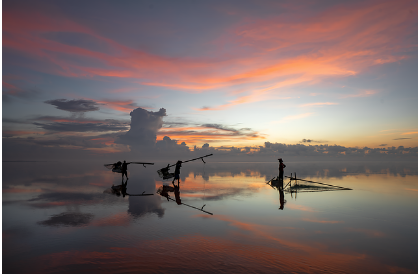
{"x": 74, "y": 219}
{"x": 74, "y": 105}
{"x": 110, "y": 125}
{"x": 397, "y": 139}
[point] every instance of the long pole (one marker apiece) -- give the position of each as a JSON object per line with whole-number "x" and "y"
{"x": 194, "y": 159}
{"x": 201, "y": 209}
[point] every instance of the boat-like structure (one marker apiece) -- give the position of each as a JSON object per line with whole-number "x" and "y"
{"x": 297, "y": 185}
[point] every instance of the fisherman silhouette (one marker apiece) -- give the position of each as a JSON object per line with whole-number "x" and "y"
{"x": 177, "y": 173}
{"x": 125, "y": 170}
{"x": 281, "y": 167}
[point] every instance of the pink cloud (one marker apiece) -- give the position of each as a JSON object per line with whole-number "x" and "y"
{"x": 340, "y": 41}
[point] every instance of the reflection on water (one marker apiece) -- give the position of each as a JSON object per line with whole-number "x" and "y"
{"x": 56, "y": 218}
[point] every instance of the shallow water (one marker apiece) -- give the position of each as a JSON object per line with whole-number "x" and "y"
{"x": 56, "y": 219}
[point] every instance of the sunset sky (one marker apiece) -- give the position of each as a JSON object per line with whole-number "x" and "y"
{"x": 227, "y": 73}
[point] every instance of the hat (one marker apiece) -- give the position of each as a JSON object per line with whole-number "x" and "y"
{"x": 280, "y": 159}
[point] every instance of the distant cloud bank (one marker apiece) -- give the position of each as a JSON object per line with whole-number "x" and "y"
{"x": 109, "y": 139}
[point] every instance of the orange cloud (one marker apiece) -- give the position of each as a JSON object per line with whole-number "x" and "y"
{"x": 408, "y": 133}
{"x": 199, "y": 134}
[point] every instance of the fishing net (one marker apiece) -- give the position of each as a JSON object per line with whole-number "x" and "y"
{"x": 165, "y": 174}
{"x": 110, "y": 166}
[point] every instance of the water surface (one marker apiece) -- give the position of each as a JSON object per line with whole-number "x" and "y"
{"x": 57, "y": 219}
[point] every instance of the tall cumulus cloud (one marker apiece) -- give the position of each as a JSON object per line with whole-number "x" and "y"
{"x": 144, "y": 127}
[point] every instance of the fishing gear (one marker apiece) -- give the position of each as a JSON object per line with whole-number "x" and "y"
{"x": 165, "y": 174}
{"x": 118, "y": 167}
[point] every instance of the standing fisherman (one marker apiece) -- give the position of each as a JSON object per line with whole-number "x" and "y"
{"x": 281, "y": 167}
{"x": 125, "y": 170}
{"x": 177, "y": 172}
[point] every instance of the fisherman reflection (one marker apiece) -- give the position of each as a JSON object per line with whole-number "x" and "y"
{"x": 164, "y": 190}
{"x": 124, "y": 186}
{"x": 278, "y": 184}
{"x": 282, "y": 200}
{"x": 118, "y": 190}
{"x": 177, "y": 192}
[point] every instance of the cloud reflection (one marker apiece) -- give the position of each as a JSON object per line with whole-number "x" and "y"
{"x": 68, "y": 219}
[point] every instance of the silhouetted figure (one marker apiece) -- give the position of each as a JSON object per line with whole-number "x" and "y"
{"x": 118, "y": 165}
{"x": 177, "y": 172}
{"x": 177, "y": 192}
{"x": 281, "y": 167}
{"x": 125, "y": 169}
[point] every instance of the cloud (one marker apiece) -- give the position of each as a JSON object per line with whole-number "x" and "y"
{"x": 73, "y": 219}
{"x": 409, "y": 133}
{"x": 397, "y": 139}
{"x": 13, "y": 133}
{"x": 209, "y": 133}
{"x": 268, "y": 52}
{"x": 105, "y": 126}
{"x": 383, "y": 145}
{"x": 10, "y": 92}
{"x": 120, "y": 105}
{"x": 144, "y": 127}
{"x": 79, "y": 105}
{"x": 312, "y": 141}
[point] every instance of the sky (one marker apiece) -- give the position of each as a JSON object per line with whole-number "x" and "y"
{"x": 241, "y": 77}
